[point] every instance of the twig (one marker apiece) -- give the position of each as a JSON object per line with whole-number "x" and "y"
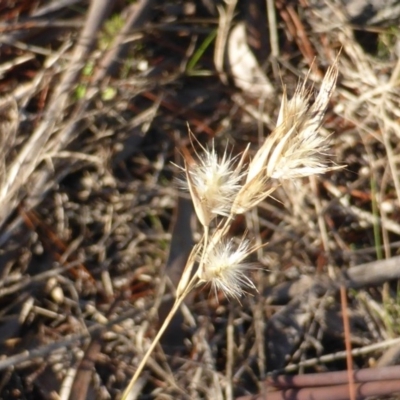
{"x": 224, "y": 24}
{"x": 349, "y": 358}
{"x": 339, "y": 355}
{"x": 72, "y": 340}
{"x": 156, "y": 339}
{"x": 30, "y": 155}
{"x": 273, "y": 35}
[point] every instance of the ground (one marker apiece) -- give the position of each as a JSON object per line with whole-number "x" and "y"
{"x": 96, "y": 99}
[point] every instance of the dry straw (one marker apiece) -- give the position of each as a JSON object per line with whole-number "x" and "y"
{"x": 222, "y": 187}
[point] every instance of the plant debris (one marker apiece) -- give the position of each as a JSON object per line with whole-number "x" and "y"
{"x": 95, "y": 98}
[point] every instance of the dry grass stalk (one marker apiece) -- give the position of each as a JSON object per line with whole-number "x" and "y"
{"x": 8, "y": 128}
{"x": 222, "y": 187}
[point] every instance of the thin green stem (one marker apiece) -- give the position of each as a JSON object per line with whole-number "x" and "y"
{"x": 201, "y": 50}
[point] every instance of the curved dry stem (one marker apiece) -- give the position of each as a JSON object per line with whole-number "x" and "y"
{"x": 205, "y": 244}
{"x": 143, "y": 362}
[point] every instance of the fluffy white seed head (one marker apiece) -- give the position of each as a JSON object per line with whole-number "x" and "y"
{"x": 224, "y": 268}
{"x": 213, "y": 183}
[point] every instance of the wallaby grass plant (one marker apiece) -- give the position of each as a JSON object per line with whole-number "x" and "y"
{"x": 222, "y": 187}
{"x": 87, "y": 202}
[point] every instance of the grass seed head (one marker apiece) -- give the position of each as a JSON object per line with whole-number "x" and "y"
{"x": 213, "y": 183}
{"x": 299, "y": 149}
{"x": 224, "y": 268}
{"x": 295, "y": 148}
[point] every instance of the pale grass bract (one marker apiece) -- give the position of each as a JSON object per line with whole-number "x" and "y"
{"x": 222, "y": 187}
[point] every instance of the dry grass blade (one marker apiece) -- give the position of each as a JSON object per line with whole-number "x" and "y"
{"x": 187, "y": 271}
{"x": 8, "y": 129}
{"x": 33, "y": 152}
{"x": 224, "y": 25}
{"x": 154, "y": 342}
{"x": 199, "y": 202}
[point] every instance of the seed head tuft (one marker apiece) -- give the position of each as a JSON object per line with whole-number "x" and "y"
{"x": 224, "y": 268}
{"x": 213, "y": 183}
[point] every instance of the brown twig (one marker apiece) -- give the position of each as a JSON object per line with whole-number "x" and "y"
{"x": 298, "y": 31}
{"x": 347, "y": 340}
{"x": 53, "y": 243}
